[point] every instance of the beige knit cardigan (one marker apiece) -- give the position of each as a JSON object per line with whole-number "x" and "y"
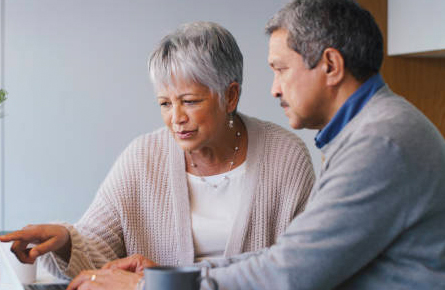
{"x": 143, "y": 204}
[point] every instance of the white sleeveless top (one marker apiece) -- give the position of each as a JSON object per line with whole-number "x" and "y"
{"x": 213, "y": 210}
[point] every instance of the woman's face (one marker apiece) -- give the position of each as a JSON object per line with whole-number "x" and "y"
{"x": 193, "y": 114}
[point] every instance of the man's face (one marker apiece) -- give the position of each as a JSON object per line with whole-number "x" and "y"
{"x": 301, "y": 90}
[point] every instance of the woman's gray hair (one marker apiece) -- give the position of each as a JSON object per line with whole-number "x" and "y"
{"x": 314, "y": 25}
{"x": 202, "y": 52}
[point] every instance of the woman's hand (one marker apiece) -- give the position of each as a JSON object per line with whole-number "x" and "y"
{"x": 46, "y": 238}
{"x": 134, "y": 263}
{"x": 105, "y": 279}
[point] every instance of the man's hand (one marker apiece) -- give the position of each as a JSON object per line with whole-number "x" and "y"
{"x": 135, "y": 263}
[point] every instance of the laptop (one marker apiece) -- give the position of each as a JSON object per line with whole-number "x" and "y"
{"x": 9, "y": 279}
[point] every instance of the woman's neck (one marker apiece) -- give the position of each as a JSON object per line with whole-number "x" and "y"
{"x": 211, "y": 160}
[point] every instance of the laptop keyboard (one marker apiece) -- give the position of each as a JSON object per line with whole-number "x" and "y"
{"x": 45, "y": 286}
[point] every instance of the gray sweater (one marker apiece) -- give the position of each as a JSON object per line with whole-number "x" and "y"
{"x": 376, "y": 217}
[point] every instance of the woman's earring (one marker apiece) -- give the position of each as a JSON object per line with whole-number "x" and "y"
{"x": 231, "y": 121}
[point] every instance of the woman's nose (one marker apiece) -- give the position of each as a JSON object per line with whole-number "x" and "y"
{"x": 179, "y": 116}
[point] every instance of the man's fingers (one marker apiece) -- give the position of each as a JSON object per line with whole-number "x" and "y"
{"x": 107, "y": 265}
{"x": 135, "y": 263}
{"x": 111, "y": 265}
{"x": 148, "y": 263}
{"x": 124, "y": 264}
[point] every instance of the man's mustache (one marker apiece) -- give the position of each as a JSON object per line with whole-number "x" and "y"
{"x": 283, "y": 104}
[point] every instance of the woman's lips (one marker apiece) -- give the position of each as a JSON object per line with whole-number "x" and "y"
{"x": 185, "y": 134}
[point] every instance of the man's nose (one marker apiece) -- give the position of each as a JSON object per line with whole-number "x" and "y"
{"x": 276, "y": 88}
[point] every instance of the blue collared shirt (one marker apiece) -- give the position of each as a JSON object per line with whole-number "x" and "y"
{"x": 350, "y": 108}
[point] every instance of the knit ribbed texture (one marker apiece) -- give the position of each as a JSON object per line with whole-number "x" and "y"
{"x": 143, "y": 204}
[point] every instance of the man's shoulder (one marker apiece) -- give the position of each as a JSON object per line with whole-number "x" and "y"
{"x": 390, "y": 116}
{"x": 390, "y": 123}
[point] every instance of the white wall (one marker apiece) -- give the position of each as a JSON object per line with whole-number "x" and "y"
{"x": 415, "y": 26}
{"x": 2, "y": 123}
{"x": 79, "y": 91}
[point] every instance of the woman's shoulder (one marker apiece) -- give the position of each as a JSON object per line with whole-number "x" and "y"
{"x": 279, "y": 150}
{"x": 159, "y": 135}
{"x": 153, "y": 141}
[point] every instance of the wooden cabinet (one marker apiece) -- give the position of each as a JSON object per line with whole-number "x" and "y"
{"x": 419, "y": 80}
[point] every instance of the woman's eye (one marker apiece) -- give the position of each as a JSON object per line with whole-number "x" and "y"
{"x": 191, "y": 102}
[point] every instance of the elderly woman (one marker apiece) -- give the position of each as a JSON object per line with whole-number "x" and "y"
{"x": 213, "y": 183}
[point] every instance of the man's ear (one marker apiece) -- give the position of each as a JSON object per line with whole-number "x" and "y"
{"x": 232, "y": 96}
{"x": 334, "y": 66}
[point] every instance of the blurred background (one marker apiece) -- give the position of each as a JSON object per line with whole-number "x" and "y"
{"x": 79, "y": 91}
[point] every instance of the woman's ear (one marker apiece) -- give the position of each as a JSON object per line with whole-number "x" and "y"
{"x": 334, "y": 66}
{"x": 232, "y": 97}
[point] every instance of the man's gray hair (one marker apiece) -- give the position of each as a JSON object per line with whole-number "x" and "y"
{"x": 314, "y": 25}
{"x": 202, "y": 52}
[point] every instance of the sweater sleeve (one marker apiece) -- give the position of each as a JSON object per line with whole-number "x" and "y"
{"x": 288, "y": 167}
{"x": 358, "y": 210}
{"x": 301, "y": 180}
{"x": 98, "y": 236}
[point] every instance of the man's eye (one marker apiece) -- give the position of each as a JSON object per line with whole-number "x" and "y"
{"x": 164, "y": 104}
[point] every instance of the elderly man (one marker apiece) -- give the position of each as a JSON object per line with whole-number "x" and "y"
{"x": 377, "y": 212}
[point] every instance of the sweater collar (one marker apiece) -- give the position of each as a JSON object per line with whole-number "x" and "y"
{"x": 350, "y": 108}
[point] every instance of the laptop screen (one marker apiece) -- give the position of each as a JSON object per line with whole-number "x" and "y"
{"x": 9, "y": 279}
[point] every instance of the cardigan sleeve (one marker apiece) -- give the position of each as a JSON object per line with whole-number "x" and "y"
{"x": 301, "y": 180}
{"x": 288, "y": 172}
{"x": 358, "y": 210}
{"x": 98, "y": 236}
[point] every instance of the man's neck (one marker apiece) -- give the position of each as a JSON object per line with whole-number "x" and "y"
{"x": 342, "y": 92}
{"x": 348, "y": 101}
